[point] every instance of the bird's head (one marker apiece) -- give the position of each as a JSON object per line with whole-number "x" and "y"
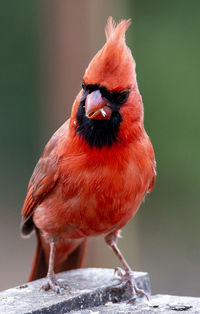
{"x": 109, "y": 107}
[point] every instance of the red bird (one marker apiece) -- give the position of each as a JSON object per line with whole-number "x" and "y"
{"x": 96, "y": 169}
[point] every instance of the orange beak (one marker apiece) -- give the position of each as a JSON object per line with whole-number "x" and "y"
{"x": 96, "y": 107}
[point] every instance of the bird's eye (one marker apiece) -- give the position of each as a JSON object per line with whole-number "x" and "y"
{"x": 123, "y": 96}
{"x": 83, "y": 86}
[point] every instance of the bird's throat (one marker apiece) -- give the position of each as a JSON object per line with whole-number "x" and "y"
{"x": 97, "y": 132}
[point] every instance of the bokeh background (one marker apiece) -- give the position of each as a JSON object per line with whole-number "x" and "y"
{"x": 45, "y": 47}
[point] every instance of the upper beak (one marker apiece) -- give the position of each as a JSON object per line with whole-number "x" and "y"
{"x": 96, "y": 107}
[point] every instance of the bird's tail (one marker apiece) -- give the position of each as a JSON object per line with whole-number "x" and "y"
{"x": 39, "y": 267}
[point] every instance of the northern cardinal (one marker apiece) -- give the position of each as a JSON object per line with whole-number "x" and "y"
{"x": 95, "y": 170}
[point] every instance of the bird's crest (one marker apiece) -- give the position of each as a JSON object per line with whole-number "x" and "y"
{"x": 113, "y": 66}
{"x": 117, "y": 31}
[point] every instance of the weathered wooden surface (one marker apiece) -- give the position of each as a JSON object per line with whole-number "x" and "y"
{"x": 168, "y": 304}
{"x": 85, "y": 288}
{"x": 91, "y": 291}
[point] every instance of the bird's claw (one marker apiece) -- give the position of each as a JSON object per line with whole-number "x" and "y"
{"x": 127, "y": 278}
{"x": 53, "y": 284}
{"x": 119, "y": 272}
{"x": 55, "y": 287}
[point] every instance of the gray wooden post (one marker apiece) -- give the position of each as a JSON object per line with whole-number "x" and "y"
{"x": 88, "y": 291}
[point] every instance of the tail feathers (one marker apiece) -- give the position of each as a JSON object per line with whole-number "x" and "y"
{"x": 40, "y": 268}
{"x": 74, "y": 260}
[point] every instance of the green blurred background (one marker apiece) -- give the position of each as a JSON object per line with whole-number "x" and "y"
{"x": 45, "y": 47}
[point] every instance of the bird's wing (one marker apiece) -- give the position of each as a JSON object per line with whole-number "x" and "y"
{"x": 44, "y": 178}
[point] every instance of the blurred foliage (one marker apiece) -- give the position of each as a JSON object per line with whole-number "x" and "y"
{"x": 18, "y": 93}
{"x": 167, "y": 50}
{"x": 165, "y": 42}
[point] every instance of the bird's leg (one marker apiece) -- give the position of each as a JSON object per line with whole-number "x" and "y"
{"x": 52, "y": 282}
{"x": 128, "y": 277}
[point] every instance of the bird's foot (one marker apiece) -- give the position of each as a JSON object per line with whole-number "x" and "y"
{"x": 53, "y": 284}
{"x": 127, "y": 278}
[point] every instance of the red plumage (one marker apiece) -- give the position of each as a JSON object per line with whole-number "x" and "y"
{"x": 88, "y": 182}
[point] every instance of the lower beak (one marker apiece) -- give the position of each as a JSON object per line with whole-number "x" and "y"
{"x": 96, "y": 107}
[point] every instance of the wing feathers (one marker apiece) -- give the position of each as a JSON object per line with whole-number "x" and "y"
{"x": 44, "y": 178}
